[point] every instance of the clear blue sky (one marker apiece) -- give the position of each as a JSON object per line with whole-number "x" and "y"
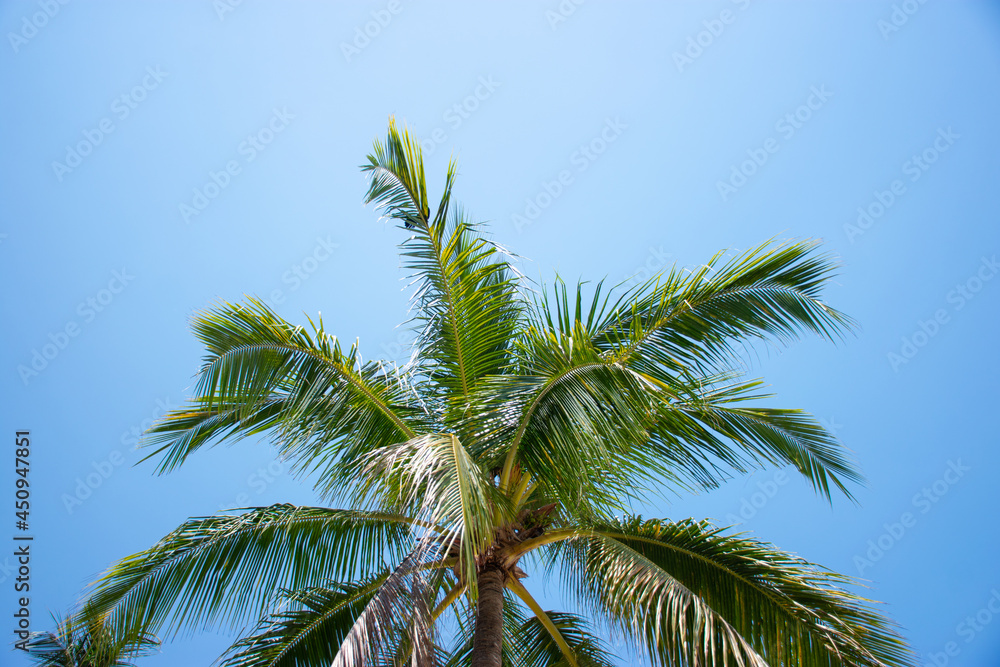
{"x": 677, "y": 130}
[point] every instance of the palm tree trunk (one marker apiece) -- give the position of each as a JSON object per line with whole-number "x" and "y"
{"x": 488, "y": 639}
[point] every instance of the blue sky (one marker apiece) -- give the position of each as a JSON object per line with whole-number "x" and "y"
{"x": 599, "y": 140}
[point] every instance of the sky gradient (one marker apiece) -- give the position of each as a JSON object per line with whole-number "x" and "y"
{"x": 162, "y": 156}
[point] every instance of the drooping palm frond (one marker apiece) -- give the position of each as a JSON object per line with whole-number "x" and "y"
{"x": 396, "y": 627}
{"x": 433, "y": 479}
{"x": 73, "y": 644}
{"x": 691, "y": 594}
{"x": 322, "y": 405}
{"x": 756, "y": 436}
{"x": 309, "y": 632}
{"x": 231, "y": 568}
{"x": 540, "y": 650}
{"x": 377, "y": 621}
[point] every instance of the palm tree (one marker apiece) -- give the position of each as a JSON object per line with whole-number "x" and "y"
{"x": 520, "y": 433}
{"x": 73, "y": 645}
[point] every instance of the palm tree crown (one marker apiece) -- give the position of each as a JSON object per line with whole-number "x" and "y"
{"x": 520, "y": 432}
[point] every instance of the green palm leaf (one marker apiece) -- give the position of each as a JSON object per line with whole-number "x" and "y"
{"x": 74, "y": 644}
{"x": 692, "y": 320}
{"x": 468, "y": 306}
{"x": 309, "y": 633}
{"x": 231, "y": 568}
{"x": 261, "y": 373}
{"x": 434, "y": 479}
{"x": 636, "y": 409}
{"x": 690, "y": 594}
{"x": 542, "y": 651}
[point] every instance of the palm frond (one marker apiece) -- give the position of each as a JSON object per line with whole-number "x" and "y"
{"x": 434, "y": 479}
{"x": 309, "y": 632}
{"x": 636, "y": 408}
{"x": 74, "y": 644}
{"x": 693, "y": 320}
{"x": 396, "y": 178}
{"x": 395, "y": 626}
{"x": 774, "y": 436}
{"x": 555, "y": 636}
{"x": 691, "y": 595}
{"x": 322, "y": 404}
{"x": 541, "y": 650}
{"x": 230, "y": 568}
{"x": 467, "y": 303}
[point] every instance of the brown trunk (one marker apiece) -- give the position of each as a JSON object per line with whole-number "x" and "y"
{"x": 488, "y": 639}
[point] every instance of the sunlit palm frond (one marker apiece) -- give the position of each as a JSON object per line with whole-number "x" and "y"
{"x": 650, "y": 416}
{"x": 395, "y": 627}
{"x": 309, "y": 631}
{"x": 760, "y": 435}
{"x": 378, "y": 621}
{"x": 230, "y": 568}
{"x": 261, "y": 373}
{"x": 434, "y": 479}
{"x": 467, "y": 302}
{"x": 693, "y": 320}
{"x": 396, "y": 177}
{"x": 691, "y": 594}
